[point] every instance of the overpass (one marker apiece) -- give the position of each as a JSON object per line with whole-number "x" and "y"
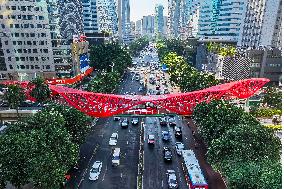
{"x": 105, "y": 105}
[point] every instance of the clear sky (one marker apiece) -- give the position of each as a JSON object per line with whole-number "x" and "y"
{"x": 140, "y": 8}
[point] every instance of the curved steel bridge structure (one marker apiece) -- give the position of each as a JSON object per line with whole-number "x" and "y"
{"x": 105, "y": 105}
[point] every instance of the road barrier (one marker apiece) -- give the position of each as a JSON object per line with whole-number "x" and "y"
{"x": 141, "y": 159}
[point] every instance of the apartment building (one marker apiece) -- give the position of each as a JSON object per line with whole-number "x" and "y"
{"x": 25, "y": 40}
{"x": 221, "y": 19}
{"x": 262, "y": 24}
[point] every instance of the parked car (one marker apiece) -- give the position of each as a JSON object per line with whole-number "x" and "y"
{"x": 166, "y": 90}
{"x": 166, "y": 135}
{"x": 172, "y": 179}
{"x": 115, "y": 157}
{"x": 124, "y": 123}
{"x": 178, "y": 132}
{"x": 167, "y": 154}
{"x": 140, "y": 89}
{"x": 96, "y": 170}
{"x": 113, "y": 139}
{"x": 151, "y": 139}
{"x": 179, "y": 147}
{"x": 135, "y": 121}
{"x": 163, "y": 121}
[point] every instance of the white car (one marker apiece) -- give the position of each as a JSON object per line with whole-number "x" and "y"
{"x": 179, "y": 147}
{"x": 95, "y": 170}
{"x": 172, "y": 179}
{"x": 113, "y": 139}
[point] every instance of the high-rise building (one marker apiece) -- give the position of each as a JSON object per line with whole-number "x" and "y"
{"x": 124, "y": 25}
{"x": 90, "y": 16}
{"x": 159, "y": 20}
{"x": 138, "y": 28}
{"x": 25, "y": 40}
{"x": 261, "y": 24}
{"x": 194, "y": 14}
{"x": 174, "y": 8}
{"x": 221, "y": 19}
{"x": 148, "y": 26}
{"x": 107, "y": 16}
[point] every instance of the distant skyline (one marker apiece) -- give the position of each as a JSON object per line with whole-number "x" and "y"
{"x": 140, "y": 8}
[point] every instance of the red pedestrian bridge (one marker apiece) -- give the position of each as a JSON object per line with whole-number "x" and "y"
{"x": 105, "y": 105}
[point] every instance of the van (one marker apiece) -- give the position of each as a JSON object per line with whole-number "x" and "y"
{"x": 116, "y": 157}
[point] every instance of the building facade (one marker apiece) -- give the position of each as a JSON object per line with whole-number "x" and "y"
{"x": 90, "y": 17}
{"x": 221, "y": 19}
{"x": 138, "y": 28}
{"x": 148, "y": 26}
{"x": 25, "y": 40}
{"x": 261, "y": 24}
{"x": 174, "y": 14}
{"x": 159, "y": 20}
{"x": 107, "y": 16}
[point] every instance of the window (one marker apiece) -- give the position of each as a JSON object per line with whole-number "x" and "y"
{"x": 29, "y": 43}
{"x": 29, "y": 50}
{"x": 45, "y": 50}
{"x": 27, "y": 34}
{"x": 11, "y": 25}
{"x": 32, "y": 67}
{"x": 1, "y": 16}
{"x": 34, "y": 50}
{"x": 22, "y": 67}
{"x": 17, "y": 26}
{"x": 37, "y": 67}
{"x": 30, "y": 17}
{"x": 10, "y": 66}
{"x": 20, "y": 43}
{"x": 6, "y": 42}
{"x": 22, "y": 34}
{"x": 41, "y": 18}
{"x": 26, "y": 25}
{"x": 47, "y": 67}
{"x": 32, "y": 26}
{"x": 8, "y": 51}
{"x": 41, "y": 42}
{"x": 17, "y": 34}
{"x": 34, "y": 42}
{"x": 36, "y": 58}
{"x": 3, "y": 26}
{"x": 25, "y": 51}
{"x": 13, "y": 7}
{"x": 22, "y": 58}
{"x": 32, "y": 58}
{"x": 32, "y": 34}
{"x": 9, "y": 58}
{"x": 19, "y": 50}
{"x": 27, "y": 67}
{"x": 39, "y": 25}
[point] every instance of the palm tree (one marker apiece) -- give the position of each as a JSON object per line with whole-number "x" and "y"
{"x": 41, "y": 91}
{"x": 14, "y": 96}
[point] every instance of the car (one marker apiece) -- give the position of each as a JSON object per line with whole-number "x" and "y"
{"x": 157, "y": 87}
{"x": 172, "y": 179}
{"x": 172, "y": 121}
{"x": 179, "y": 147}
{"x": 140, "y": 89}
{"x": 167, "y": 154}
{"x": 137, "y": 78}
{"x": 151, "y": 139}
{"x": 135, "y": 120}
{"x": 124, "y": 123}
{"x": 96, "y": 170}
{"x": 141, "y": 82}
{"x": 158, "y": 93}
{"x": 166, "y": 135}
{"x": 113, "y": 139}
{"x": 115, "y": 161}
{"x": 178, "y": 132}
{"x": 166, "y": 91}
{"x": 116, "y": 118}
{"x": 163, "y": 121}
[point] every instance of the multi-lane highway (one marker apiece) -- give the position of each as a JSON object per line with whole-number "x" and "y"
{"x": 97, "y": 146}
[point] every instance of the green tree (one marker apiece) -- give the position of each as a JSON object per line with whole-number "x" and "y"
{"x": 136, "y": 46}
{"x": 245, "y": 143}
{"x": 36, "y": 144}
{"x": 273, "y": 98}
{"x": 41, "y": 91}
{"x": 76, "y": 123}
{"x": 14, "y": 96}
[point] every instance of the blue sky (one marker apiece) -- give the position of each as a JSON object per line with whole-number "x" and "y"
{"x": 140, "y": 8}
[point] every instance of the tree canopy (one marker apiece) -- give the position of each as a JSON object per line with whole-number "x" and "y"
{"x": 41, "y": 91}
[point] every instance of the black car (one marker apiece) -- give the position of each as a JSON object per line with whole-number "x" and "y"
{"x": 135, "y": 121}
{"x": 163, "y": 121}
{"x": 172, "y": 121}
{"x": 167, "y": 154}
{"x": 178, "y": 132}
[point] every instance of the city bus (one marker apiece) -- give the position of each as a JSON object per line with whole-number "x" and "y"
{"x": 193, "y": 174}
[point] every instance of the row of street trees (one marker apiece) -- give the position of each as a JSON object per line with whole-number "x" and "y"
{"x": 246, "y": 153}
{"x": 40, "y": 149}
{"x": 110, "y": 61}
{"x": 138, "y": 45}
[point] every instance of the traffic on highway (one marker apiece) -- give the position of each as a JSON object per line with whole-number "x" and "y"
{"x": 112, "y": 150}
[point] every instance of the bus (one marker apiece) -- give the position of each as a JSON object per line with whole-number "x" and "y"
{"x": 193, "y": 174}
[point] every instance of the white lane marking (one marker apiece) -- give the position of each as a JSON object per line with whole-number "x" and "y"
{"x": 126, "y": 142}
{"x": 104, "y": 174}
{"x": 121, "y": 175}
{"x": 129, "y": 130}
{"x": 162, "y": 183}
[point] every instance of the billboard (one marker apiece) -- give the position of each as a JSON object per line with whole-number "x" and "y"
{"x": 84, "y": 62}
